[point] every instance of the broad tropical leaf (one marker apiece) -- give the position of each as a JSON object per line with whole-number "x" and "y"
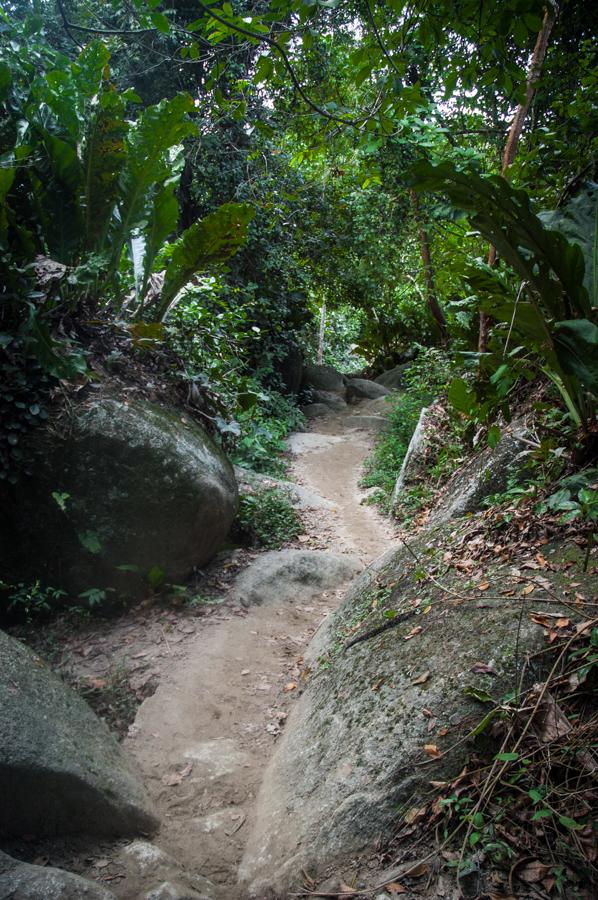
{"x": 206, "y": 243}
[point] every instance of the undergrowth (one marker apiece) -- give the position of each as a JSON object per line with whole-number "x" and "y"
{"x": 426, "y": 379}
{"x": 267, "y": 519}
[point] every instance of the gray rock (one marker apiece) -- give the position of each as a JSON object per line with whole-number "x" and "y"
{"x": 21, "y": 881}
{"x": 413, "y": 456}
{"x": 286, "y": 574}
{"x": 368, "y": 423}
{"x": 350, "y": 756}
{"x": 315, "y": 410}
{"x": 323, "y": 378}
{"x": 330, "y": 399}
{"x": 122, "y": 485}
{"x": 170, "y": 890}
{"x": 363, "y": 389}
{"x": 300, "y": 497}
{"x": 393, "y": 378}
{"x": 485, "y": 474}
{"x": 160, "y": 875}
{"x": 61, "y": 771}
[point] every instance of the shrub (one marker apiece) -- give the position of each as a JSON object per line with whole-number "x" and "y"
{"x": 267, "y": 519}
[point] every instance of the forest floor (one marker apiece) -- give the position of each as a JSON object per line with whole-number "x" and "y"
{"x": 218, "y": 680}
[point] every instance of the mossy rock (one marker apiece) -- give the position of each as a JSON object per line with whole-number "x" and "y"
{"x": 120, "y": 494}
{"x": 352, "y": 759}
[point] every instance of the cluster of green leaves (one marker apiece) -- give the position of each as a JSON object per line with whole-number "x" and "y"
{"x": 267, "y": 519}
{"x": 548, "y": 325}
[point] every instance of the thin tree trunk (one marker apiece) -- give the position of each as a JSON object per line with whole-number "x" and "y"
{"x": 514, "y": 134}
{"x": 424, "y": 246}
{"x": 320, "y": 356}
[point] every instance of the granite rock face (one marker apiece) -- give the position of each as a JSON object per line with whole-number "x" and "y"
{"x": 22, "y": 881}
{"x": 119, "y": 494}
{"x": 352, "y": 751}
{"x": 61, "y": 771}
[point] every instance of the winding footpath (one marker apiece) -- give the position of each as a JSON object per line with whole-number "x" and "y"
{"x": 204, "y": 738}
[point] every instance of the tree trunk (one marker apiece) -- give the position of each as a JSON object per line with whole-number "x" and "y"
{"x": 514, "y": 134}
{"x": 320, "y": 356}
{"x": 424, "y": 245}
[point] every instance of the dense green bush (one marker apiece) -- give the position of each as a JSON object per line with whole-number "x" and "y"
{"x": 267, "y": 519}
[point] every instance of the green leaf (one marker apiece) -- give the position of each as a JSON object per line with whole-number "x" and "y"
{"x": 91, "y": 541}
{"x": 160, "y": 22}
{"x": 507, "y": 757}
{"x": 543, "y": 813}
{"x": 211, "y": 241}
{"x": 5, "y": 80}
{"x": 477, "y": 694}
{"x": 576, "y": 343}
{"x": 103, "y": 160}
{"x": 493, "y": 436}
{"x": 461, "y": 396}
{"x": 571, "y": 824}
{"x": 158, "y": 129}
{"x": 483, "y": 725}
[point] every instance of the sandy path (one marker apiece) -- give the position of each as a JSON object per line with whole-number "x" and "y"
{"x": 216, "y": 714}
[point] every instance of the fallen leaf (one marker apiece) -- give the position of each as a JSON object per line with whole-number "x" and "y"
{"x": 432, "y": 750}
{"x": 378, "y": 684}
{"x": 417, "y": 871}
{"x": 245, "y": 671}
{"x": 413, "y": 632}
{"x": 414, "y": 814}
{"x": 549, "y": 722}
{"x": 291, "y": 686}
{"x": 421, "y": 679}
{"x": 481, "y": 668}
{"x": 427, "y": 712}
{"x": 533, "y": 871}
{"x": 541, "y": 559}
{"x": 442, "y": 731}
{"x": 101, "y": 863}
{"x": 97, "y": 683}
{"x": 483, "y": 586}
{"x": 395, "y": 888}
{"x": 528, "y": 589}
{"x": 346, "y": 888}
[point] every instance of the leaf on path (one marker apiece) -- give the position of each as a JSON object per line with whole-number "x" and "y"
{"x": 427, "y": 712}
{"x": 528, "y": 589}
{"x": 418, "y": 870}
{"x": 421, "y": 679}
{"x": 346, "y": 888}
{"x": 378, "y": 684}
{"x": 291, "y": 686}
{"x": 395, "y": 888}
{"x": 483, "y": 586}
{"x": 245, "y": 671}
{"x": 413, "y": 632}
{"x": 481, "y": 668}
{"x": 432, "y": 751}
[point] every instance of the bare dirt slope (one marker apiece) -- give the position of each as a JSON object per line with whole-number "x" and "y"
{"x": 204, "y": 738}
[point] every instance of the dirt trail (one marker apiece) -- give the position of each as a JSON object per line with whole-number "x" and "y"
{"x": 204, "y": 738}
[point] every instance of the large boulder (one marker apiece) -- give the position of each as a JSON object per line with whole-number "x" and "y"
{"x": 22, "y": 881}
{"x": 118, "y": 490}
{"x": 393, "y": 378}
{"x": 363, "y": 389}
{"x": 353, "y": 750}
{"x": 485, "y": 474}
{"x": 323, "y": 378}
{"x": 61, "y": 771}
{"x": 315, "y": 410}
{"x": 332, "y": 400}
{"x": 285, "y": 574}
{"x": 300, "y": 497}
